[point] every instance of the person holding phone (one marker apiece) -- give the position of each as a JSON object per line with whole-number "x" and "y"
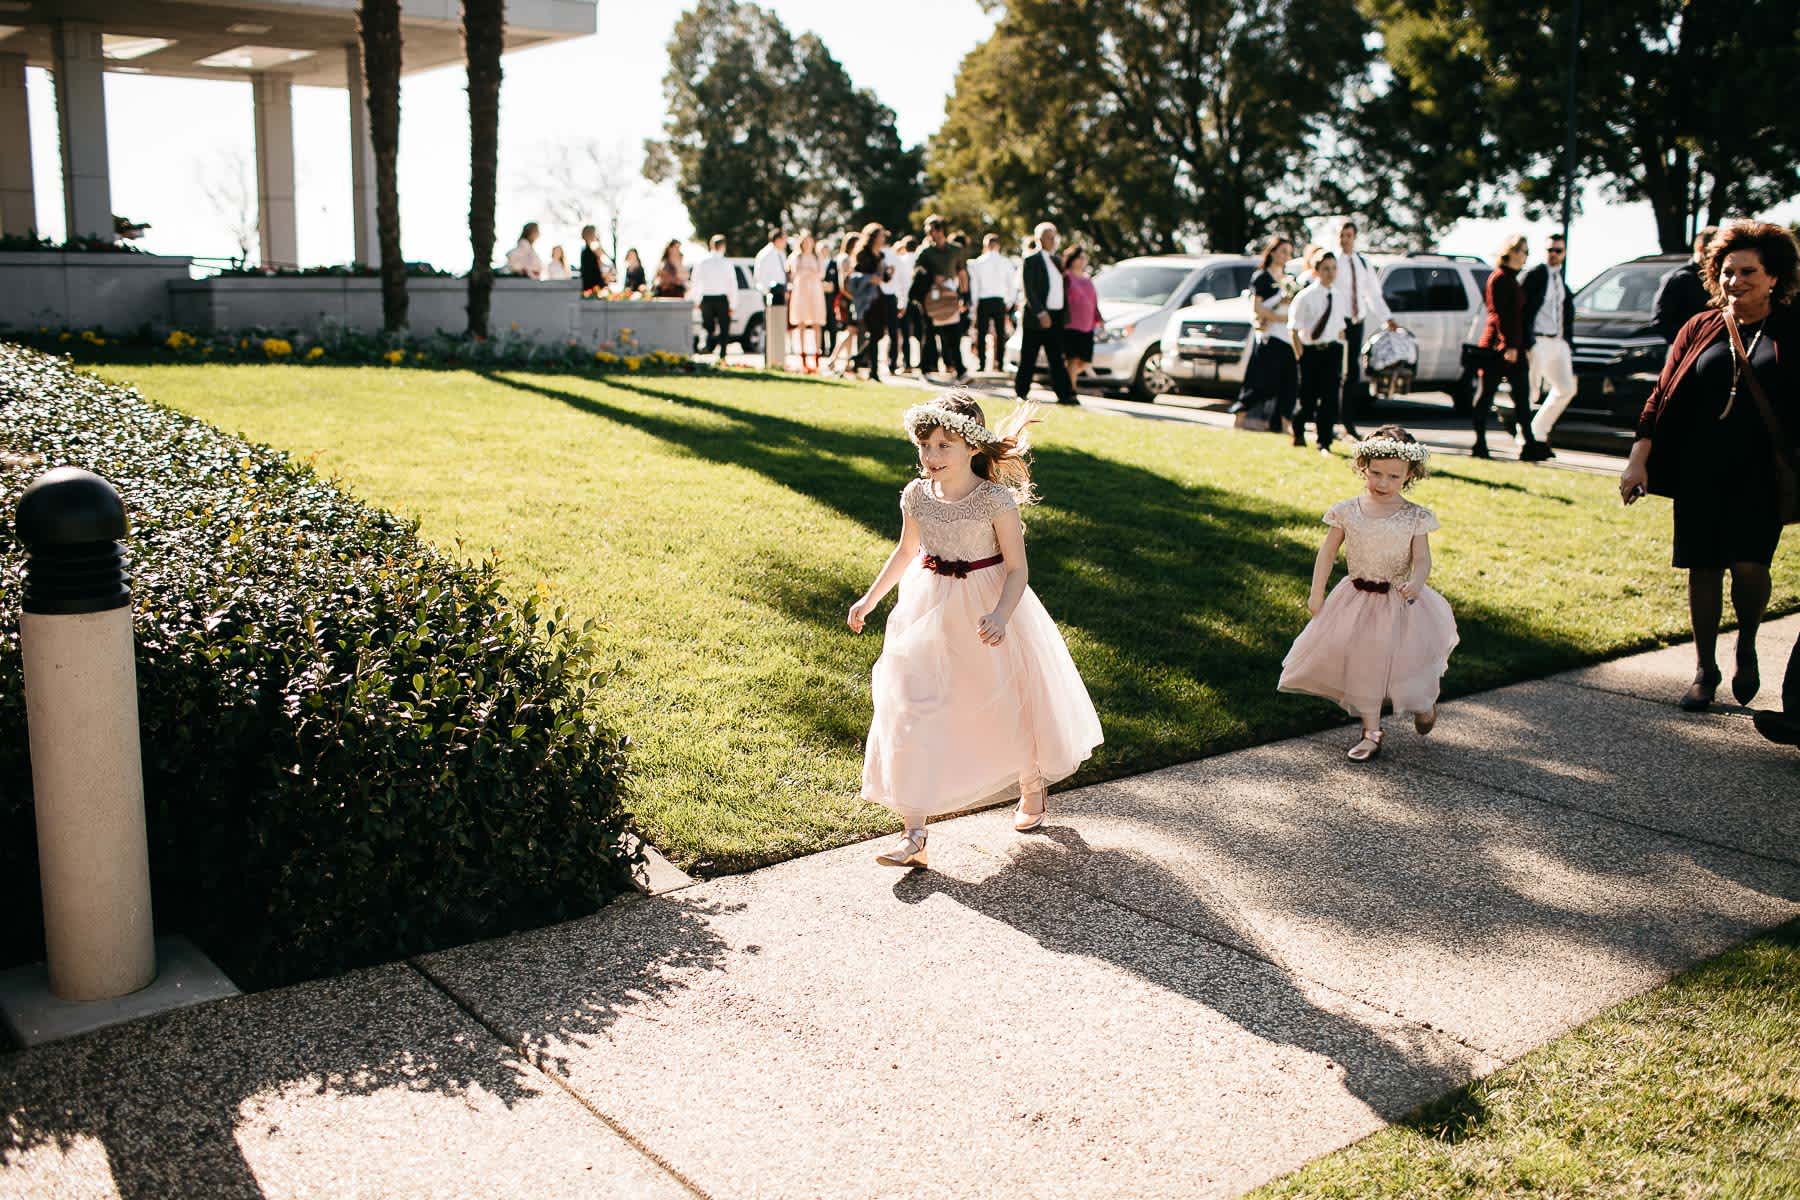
{"x": 1718, "y": 436}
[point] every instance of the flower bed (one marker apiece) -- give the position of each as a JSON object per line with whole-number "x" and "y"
{"x": 337, "y": 345}
{"x": 355, "y": 748}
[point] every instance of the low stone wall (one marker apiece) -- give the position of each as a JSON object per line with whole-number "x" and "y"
{"x": 545, "y": 312}
{"x": 121, "y": 292}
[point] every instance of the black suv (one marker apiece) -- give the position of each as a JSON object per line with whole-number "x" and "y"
{"x": 1618, "y": 353}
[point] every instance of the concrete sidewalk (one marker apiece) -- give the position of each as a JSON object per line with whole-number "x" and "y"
{"x": 1191, "y": 982}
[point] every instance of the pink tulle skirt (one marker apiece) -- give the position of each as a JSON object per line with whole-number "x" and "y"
{"x": 959, "y": 723}
{"x": 1367, "y": 647}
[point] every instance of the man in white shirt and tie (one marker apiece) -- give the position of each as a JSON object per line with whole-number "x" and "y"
{"x": 715, "y": 282}
{"x": 1549, "y": 320}
{"x": 771, "y": 265}
{"x": 993, "y": 283}
{"x": 1360, "y": 298}
{"x": 1316, "y": 319}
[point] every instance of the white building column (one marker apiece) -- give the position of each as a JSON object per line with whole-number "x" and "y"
{"x": 18, "y": 209}
{"x": 81, "y": 119}
{"x": 362, "y": 161}
{"x": 275, "y": 220}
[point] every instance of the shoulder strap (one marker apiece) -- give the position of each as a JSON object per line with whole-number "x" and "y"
{"x": 1755, "y": 385}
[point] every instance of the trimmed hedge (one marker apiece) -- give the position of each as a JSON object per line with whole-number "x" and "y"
{"x": 355, "y": 748}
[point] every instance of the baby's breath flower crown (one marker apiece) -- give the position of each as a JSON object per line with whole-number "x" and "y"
{"x": 1387, "y": 447}
{"x": 921, "y": 417}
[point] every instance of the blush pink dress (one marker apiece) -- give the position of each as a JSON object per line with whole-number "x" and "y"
{"x": 1366, "y": 647}
{"x": 959, "y": 723}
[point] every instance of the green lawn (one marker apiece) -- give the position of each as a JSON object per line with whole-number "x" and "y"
{"x": 719, "y": 528}
{"x": 1690, "y": 1090}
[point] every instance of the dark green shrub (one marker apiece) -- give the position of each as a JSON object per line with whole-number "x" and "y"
{"x": 354, "y": 747}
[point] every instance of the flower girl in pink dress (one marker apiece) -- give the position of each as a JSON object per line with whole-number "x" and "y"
{"x": 1381, "y": 635}
{"x": 976, "y": 697}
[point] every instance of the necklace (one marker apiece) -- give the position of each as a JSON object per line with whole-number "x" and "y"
{"x": 1738, "y": 366}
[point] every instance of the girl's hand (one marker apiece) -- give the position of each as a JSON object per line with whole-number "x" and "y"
{"x": 992, "y": 629}
{"x": 858, "y": 612}
{"x": 1314, "y": 603}
{"x": 1410, "y": 591}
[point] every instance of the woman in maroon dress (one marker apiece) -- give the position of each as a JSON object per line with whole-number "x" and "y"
{"x": 1504, "y": 335}
{"x": 1720, "y": 450}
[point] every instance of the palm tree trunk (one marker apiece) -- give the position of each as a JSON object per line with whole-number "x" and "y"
{"x": 483, "y": 40}
{"x": 379, "y": 21}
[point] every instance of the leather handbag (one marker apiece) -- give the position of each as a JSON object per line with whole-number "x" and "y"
{"x": 1481, "y": 358}
{"x": 943, "y": 304}
{"x": 1787, "y": 472}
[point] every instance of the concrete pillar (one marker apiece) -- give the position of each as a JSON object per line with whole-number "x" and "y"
{"x": 81, "y": 119}
{"x": 362, "y": 161}
{"x": 275, "y": 219}
{"x": 18, "y": 210}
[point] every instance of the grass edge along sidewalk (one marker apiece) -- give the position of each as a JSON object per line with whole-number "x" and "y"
{"x": 717, "y": 528}
{"x": 1687, "y": 1090}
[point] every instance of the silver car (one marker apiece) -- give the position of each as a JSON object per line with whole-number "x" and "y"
{"x": 1438, "y": 297}
{"x": 1137, "y": 297}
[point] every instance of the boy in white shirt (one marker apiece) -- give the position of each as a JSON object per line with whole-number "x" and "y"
{"x": 1316, "y": 320}
{"x": 993, "y": 283}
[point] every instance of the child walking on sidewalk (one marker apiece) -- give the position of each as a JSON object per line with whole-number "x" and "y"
{"x": 1382, "y": 635}
{"x": 975, "y": 692}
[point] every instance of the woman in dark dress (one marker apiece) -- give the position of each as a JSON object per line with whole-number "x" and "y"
{"x": 593, "y": 276}
{"x": 1505, "y": 334}
{"x": 634, "y": 271}
{"x": 1704, "y": 440}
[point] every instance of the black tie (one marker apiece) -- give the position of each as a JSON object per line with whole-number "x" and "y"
{"x": 1324, "y": 317}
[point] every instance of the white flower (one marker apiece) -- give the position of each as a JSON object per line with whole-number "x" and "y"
{"x": 1391, "y": 448}
{"x": 923, "y": 416}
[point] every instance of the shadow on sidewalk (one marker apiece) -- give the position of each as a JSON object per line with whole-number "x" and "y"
{"x": 201, "y": 1102}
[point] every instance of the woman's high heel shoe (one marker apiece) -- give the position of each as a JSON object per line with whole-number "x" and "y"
{"x": 1370, "y": 738}
{"x": 1699, "y": 696}
{"x": 1024, "y": 820}
{"x": 1748, "y": 680}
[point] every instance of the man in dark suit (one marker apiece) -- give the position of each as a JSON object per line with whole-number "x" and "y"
{"x": 1549, "y": 327}
{"x": 1046, "y": 308}
{"x": 1683, "y": 292}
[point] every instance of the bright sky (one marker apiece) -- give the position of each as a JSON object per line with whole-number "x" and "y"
{"x": 166, "y": 136}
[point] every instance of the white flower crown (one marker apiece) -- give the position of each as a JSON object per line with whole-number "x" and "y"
{"x": 961, "y": 424}
{"x": 1384, "y": 447}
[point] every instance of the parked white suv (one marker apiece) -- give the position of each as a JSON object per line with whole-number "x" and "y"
{"x": 1136, "y": 296}
{"x": 1438, "y": 297}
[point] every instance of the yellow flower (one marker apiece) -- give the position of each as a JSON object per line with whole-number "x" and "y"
{"x": 277, "y": 347}
{"x": 419, "y": 356}
{"x": 243, "y": 343}
{"x": 64, "y": 336}
{"x": 315, "y": 354}
{"x": 633, "y": 362}
{"x": 92, "y": 338}
{"x": 394, "y": 358}
{"x": 604, "y": 358}
{"x": 179, "y": 340}
{"x": 206, "y": 350}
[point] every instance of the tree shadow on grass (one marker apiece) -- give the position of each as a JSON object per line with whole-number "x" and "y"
{"x": 1180, "y": 600}
{"x": 379, "y": 1062}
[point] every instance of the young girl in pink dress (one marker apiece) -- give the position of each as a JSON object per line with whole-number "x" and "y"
{"x": 976, "y": 697}
{"x": 1381, "y": 635}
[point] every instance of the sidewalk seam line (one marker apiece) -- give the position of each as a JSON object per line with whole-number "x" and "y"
{"x": 1611, "y": 818}
{"x": 559, "y": 1081}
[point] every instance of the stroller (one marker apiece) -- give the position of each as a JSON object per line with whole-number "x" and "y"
{"x": 1390, "y": 361}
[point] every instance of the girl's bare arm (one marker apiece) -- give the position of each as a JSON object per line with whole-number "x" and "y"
{"x": 904, "y": 552}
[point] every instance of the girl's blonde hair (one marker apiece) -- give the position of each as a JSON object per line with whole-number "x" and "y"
{"x": 1004, "y": 459}
{"x": 1512, "y": 243}
{"x": 1415, "y": 468}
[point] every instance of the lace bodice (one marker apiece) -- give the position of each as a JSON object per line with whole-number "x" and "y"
{"x": 960, "y": 529}
{"x": 1379, "y": 548}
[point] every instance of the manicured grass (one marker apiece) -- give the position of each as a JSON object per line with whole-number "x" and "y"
{"x": 1689, "y": 1090}
{"x": 719, "y": 528}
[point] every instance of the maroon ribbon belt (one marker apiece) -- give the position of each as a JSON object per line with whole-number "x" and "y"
{"x": 959, "y": 567}
{"x": 1378, "y": 586}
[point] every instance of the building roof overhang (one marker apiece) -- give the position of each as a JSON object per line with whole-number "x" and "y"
{"x": 302, "y": 40}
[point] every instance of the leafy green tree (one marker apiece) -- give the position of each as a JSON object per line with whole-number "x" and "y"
{"x": 768, "y": 129}
{"x": 484, "y": 30}
{"x": 1685, "y": 104}
{"x": 1143, "y": 123}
